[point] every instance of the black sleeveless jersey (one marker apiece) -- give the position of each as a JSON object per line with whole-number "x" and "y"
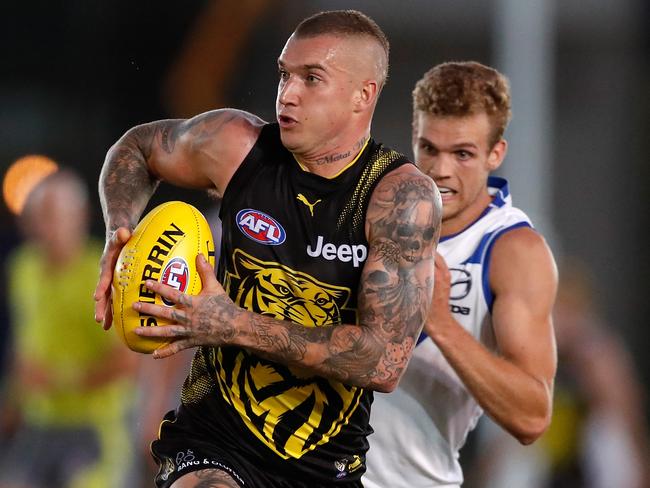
{"x": 293, "y": 247}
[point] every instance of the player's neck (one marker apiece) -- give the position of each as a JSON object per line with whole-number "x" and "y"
{"x": 332, "y": 162}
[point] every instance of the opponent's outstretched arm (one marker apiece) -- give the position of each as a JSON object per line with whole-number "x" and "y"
{"x": 402, "y": 224}
{"x": 515, "y": 385}
{"x": 201, "y": 152}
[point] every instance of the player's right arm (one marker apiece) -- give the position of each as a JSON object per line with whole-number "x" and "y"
{"x": 202, "y": 152}
{"x": 514, "y": 386}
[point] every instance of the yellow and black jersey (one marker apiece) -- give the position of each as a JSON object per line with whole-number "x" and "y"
{"x": 293, "y": 248}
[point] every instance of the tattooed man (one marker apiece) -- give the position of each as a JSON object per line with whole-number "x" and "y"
{"x": 488, "y": 342}
{"x": 325, "y": 274}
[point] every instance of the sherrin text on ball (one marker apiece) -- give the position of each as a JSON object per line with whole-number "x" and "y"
{"x": 163, "y": 247}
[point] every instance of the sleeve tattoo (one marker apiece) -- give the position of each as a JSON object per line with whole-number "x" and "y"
{"x": 127, "y": 180}
{"x": 394, "y": 296}
{"x": 126, "y": 183}
{"x": 398, "y": 284}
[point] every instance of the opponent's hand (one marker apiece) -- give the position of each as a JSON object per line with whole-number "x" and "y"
{"x": 439, "y": 313}
{"x": 196, "y": 320}
{"x": 103, "y": 309}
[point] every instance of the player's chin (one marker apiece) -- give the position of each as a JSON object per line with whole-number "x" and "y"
{"x": 449, "y": 211}
{"x": 292, "y": 139}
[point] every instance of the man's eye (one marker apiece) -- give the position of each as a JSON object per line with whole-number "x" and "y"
{"x": 463, "y": 155}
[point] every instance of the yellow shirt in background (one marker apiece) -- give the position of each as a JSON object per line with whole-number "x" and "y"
{"x": 53, "y": 327}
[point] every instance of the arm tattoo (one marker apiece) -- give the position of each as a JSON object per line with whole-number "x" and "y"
{"x": 389, "y": 252}
{"x": 398, "y": 278}
{"x": 394, "y": 296}
{"x": 288, "y": 344}
{"x": 216, "y": 318}
{"x": 351, "y": 351}
{"x": 333, "y": 352}
{"x": 168, "y": 138}
{"x": 127, "y": 181}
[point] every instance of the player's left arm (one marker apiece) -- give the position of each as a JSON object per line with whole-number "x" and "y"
{"x": 514, "y": 386}
{"x": 402, "y": 226}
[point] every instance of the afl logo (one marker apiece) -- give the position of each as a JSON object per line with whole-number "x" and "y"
{"x": 260, "y": 227}
{"x": 177, "y": 275}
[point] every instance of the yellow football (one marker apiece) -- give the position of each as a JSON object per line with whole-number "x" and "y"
{"x": 163, "y": 247}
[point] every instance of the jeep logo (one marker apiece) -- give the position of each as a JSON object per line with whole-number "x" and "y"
{"x": 357, "y": 253}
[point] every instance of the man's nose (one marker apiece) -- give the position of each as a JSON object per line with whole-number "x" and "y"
{"x": 289, "y": 92}
{"x": 440, "y": 167}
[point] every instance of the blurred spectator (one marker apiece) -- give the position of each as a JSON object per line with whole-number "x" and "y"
{"x": 598, "y": 437}
{"x": 68, "y": 390}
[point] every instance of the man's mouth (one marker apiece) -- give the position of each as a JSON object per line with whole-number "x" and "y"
{"x": 286, "y": 121}
{"x": 445, "y": 191}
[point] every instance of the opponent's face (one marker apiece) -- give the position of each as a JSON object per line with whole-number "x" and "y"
{"x": 455, "y": 152}
{"x": 318, "y": 92}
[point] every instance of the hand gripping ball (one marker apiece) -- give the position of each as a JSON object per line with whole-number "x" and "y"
{"x": 163, "y": 247}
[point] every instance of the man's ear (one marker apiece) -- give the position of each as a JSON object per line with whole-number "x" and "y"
{"x": 497, "y": 154}
{"x": 367, "y": 95}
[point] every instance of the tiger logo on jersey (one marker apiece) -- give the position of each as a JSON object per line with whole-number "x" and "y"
{"x": 291, "y": 411}
{"x": 272, "y": 289}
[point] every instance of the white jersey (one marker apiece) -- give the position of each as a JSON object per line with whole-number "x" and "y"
{"x": 420, "y": 427}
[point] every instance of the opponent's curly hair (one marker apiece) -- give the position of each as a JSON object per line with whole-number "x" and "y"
{"x": 465, "y": 88}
